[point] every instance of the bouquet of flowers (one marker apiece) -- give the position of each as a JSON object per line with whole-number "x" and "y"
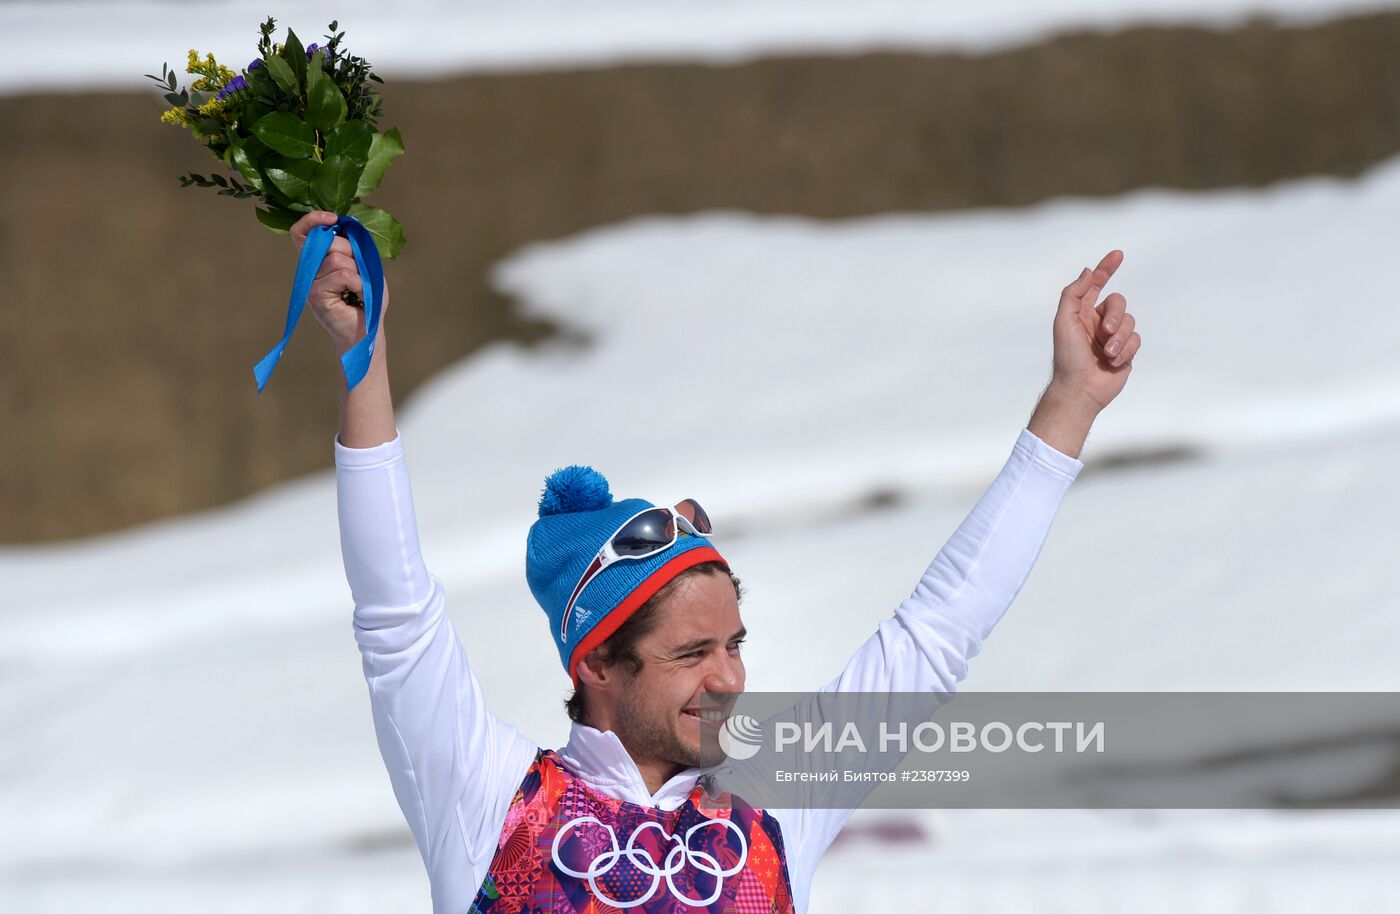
{"x": 298, "y": 126}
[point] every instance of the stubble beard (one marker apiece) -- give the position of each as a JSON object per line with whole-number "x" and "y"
{"x": 645, "y": 735}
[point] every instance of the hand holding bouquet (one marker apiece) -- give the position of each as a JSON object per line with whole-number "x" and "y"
{"x": 335, "y": 285}
{"x": 298, "y": 126}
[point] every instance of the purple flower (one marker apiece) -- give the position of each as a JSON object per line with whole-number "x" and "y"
{"x": 255, "y": 64}
{"x": 311, "y": 49}
{"x": 234, "y": 85}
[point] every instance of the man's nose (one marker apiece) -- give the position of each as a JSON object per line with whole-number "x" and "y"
{"x": 726, "y": 674}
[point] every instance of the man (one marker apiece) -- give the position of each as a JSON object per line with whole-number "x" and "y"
{"x": 644, "y": 612}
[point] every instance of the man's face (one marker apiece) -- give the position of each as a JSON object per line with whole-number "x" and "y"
{"x": 693, "y": 650}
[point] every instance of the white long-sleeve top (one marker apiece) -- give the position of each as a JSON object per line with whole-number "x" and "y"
{"x": 455, "y": 766}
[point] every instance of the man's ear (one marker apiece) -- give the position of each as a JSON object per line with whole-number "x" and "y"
{"x": 594, "y": 672}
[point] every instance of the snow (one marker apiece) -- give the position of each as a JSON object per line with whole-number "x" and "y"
{"x": 110, "y": 44}
{"x": 186, "y": 720}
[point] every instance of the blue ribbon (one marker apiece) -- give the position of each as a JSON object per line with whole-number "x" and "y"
{"x": 355, "y": 362}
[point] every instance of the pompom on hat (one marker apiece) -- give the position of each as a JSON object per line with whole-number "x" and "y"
{"x": 577, "y": 515}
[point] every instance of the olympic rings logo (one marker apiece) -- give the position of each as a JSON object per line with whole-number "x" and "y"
{"x": 676, "y": 860}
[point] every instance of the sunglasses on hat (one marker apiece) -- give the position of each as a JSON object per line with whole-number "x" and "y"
{"x": 642, "y": 535}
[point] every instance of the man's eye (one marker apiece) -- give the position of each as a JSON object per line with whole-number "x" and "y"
{"x": 735, "y": 645}
{"x": 692, "y": 655}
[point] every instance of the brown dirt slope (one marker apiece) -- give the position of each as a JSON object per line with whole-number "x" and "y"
{"x": 133, "y": 310}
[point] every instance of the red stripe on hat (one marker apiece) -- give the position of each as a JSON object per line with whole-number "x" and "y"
{"x": 639, "y": 595}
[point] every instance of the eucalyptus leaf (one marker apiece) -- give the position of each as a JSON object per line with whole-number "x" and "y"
{"x": 351, "y": 139}
{"x": 334, "y": 185}
{"x": 283, "y": 75}
{"x": 387, "y": 232}
{"x": 325, "y": 106}
{"x": 383, "y": 149}
{"x": 279, "y": 220}
{"x": 292, "y": 177}
{"x": 286, "y": 133}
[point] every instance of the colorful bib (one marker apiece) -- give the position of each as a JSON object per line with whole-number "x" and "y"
{"x": 567, "y": 849}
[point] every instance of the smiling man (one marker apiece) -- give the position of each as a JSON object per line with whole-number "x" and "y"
{"x": 645, "y": 614}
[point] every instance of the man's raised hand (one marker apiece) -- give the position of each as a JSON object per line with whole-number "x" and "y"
{"x": 344, "y": 323}
{"x": 1094, "y": 343}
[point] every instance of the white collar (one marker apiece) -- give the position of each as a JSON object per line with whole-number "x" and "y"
{"x": 599, "y": 757}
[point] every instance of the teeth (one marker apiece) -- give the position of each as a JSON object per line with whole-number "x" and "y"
{"x": 711, "y": 716}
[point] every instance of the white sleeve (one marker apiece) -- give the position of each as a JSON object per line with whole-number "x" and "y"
{"x": 926, "y": 644}
{"x": 453, "y": 764}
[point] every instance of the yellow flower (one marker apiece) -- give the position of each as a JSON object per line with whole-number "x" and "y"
{"x": 212, "y": 108}
{"x": 213, "y": 75}
{"x": 177, "y": 116}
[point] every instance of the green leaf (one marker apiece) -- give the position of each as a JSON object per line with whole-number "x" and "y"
{"x": 383, "y": 149}
{"x": 246, "y": 166}
{"x": 283, "y": 75}
{"x": 294, "y": 53}
{"x": 334, "y": 185}
{"x": 286, "y": 133}
{"x": 255, "y": 148}
{"x": 351, "y": 139}
{"x": 315, "y": 70}
{"x": 388, "y": 234}
{"x": 325, "y": 106}
{"x": 292, "y": 177}
{"x": 264, "y": 86}
{"x": 279, "y": 220}
{"x": 252, "y": 113}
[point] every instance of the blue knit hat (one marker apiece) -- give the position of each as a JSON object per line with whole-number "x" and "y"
{"x": 577, "y": 516}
